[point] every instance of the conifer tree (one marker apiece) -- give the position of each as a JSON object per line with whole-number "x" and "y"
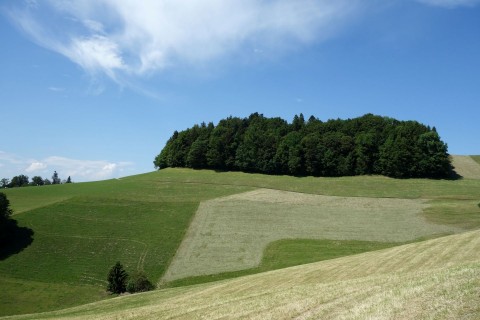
{"x": 117, "y": 279}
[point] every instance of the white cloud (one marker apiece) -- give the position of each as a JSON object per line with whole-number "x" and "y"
{"x": 85, "y": 169}
{"x": 36, "y": 166}
{"x": 78, "y": 170}
{"x": 451, "y": 3}
{"x": 121, "y": 38}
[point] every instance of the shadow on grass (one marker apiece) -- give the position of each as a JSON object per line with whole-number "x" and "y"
{"x": 16, "y": 240}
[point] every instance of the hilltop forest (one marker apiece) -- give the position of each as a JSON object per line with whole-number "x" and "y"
{"x": 365, "y": 145}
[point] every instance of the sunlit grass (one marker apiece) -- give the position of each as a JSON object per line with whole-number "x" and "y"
{"x": 438, "y": 279}
{"x": 81, "y": 229}
{"x": 231, "y": 233}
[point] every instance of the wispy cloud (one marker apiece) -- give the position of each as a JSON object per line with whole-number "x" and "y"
{"x": 127, "y": 38}
{"x": 79, "y": 170}
{"x": 56, "y": 89}
{"x": 451, "y": 3}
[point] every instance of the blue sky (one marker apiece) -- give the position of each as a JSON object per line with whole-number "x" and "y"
{"x": 93, "y": 89}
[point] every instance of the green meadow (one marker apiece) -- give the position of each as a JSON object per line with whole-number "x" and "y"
{"x": 145, "y": 221}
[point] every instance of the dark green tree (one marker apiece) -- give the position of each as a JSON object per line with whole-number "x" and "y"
{"x": 19, "y": 181}
{"x": 117, "y": 279}
{"x": 5, "y": 211}
{"x": 69, "y": 180}
{"x": 313, "y": 153}
{"x": 4, "y": 183}
{"x": 38, "y": 181}
{"x": 197, "y": 156}
{"x": 432, "y": 156}
{"x": 55, "y": 178}
{"x": 298, "y": 122}
{"x": 338, "y": 154}
{"x": 223, "y": 143}
{"x": 5, "y": 222}
{"x": 288, "y": 157}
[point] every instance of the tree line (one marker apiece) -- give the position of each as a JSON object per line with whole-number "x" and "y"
{"x": 366, "y": 145}
{"x": 23, "y": 181}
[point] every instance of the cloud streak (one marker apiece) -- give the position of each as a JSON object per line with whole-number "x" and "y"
{"x": 451, "y": 3}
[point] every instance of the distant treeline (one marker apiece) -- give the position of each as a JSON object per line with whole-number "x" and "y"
{"x": 366, "y": 145}
{"x": 23, "y": 181}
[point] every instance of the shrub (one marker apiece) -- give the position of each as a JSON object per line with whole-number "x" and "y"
{"x": 139, "y": 282}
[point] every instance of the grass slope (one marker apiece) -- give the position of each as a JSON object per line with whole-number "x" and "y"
{"x": 81, "y": 229}
{"x": 435, "y": 279}
{"x": 467, "y": 166}
{"x": 476, "y": 158}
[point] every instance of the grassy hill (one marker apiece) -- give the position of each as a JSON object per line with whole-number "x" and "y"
{"x": 81, "y": 230}
{"x": 435, "y": 279}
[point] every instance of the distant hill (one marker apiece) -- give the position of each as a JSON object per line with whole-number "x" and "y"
{"x": 361, "y": 146}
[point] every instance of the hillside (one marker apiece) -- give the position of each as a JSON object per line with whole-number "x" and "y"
{"x": 435, "y": 279}
{"x": 81, "y": 230}
{"x": 467, "y": 166}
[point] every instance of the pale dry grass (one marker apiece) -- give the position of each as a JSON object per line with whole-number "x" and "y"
{"x": 435, "y": 279}
{"x": 466, "y": 167}
{"x": 231, "y": 233}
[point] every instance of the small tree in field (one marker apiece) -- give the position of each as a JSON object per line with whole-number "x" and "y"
{"x": 117, "y": 279}
{"x": 55, "y": 178}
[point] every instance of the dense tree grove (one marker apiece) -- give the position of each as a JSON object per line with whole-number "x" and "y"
{"x": 366, "y": 145}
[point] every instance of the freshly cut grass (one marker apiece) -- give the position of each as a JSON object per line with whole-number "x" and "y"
{"x": 476, "y": 158}
{"x": 292, "y": 252}
{"x": 435, "y": 279}
{"x": 467, "y": 166}
{"x": 231, "y": 233}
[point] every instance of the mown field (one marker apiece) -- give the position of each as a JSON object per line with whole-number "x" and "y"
{"x": 81, "y": 230}
{"x": 434, "y": 279}
{"x": 476, "y": 158}
{"x": 231, "y": 233}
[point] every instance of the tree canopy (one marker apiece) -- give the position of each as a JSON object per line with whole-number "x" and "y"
{"x": 369, "y": 144}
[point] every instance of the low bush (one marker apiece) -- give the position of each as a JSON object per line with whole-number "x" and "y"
{"x": 139, "y": 282}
